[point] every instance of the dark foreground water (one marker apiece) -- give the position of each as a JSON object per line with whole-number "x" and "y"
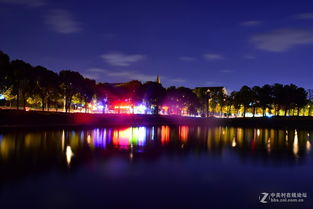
{"x": 156, "y": 167}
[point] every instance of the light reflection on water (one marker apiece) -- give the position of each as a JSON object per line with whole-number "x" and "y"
{"x": 147, "y": 160}
{"x": 136, "y": 139}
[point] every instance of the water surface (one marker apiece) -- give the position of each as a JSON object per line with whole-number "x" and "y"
{"x": 154, "y": 167}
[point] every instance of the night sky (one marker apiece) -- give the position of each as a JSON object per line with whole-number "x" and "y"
{"x": 188, "y": 43}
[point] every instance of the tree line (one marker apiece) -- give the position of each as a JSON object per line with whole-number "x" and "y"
{"x": 24, "y": 85}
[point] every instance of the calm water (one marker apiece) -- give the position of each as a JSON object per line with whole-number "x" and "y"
{"x": 154, "y": 167}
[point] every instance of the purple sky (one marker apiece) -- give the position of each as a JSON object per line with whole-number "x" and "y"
{"x": 189, "y": 43}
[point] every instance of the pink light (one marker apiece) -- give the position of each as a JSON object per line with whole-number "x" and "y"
{"x": 122, "y": 137}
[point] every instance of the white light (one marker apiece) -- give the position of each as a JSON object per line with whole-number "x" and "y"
{"x": 100, "y": 107}
{"x": 69, "y": 154}
{"x": 268, "y": 115}
{"x": 140, "y": 109}
{"x": 234, "y": 142}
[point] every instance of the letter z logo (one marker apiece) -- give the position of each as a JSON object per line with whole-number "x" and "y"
{"x": 263, "y": 197}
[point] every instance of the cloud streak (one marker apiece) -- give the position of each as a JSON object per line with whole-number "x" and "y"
{"x": 96, "y": 73}
{"x": 282, "y": 40}
{"x": 249, "y": 57}
{"x": 304, "y": 16}
{"x": 122, "y": 60}
{"x": 250, "y": 23}
{"x": 213, "y": 57}
{"x": 28, "y": 3}
{"x": 187, "y": 59}
{"x": 132, "y": 75}
{"x": 62, "y": 21}
{"x": 177, "y": 80}
{"x": 226, "y": 71}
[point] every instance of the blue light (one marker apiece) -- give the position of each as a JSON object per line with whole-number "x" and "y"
{"x": 1, "y": 96}
{"x": 268, "y": 115}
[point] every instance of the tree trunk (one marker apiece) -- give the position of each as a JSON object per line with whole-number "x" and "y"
{"x": 66, "y": 104}
{"x": 24, "y": 101}
{"x": 277, "y": 110}
{"x": 298, "y": 111}
{"x": 70, "y": 104}
{"x": 48, "y": 104}
{"x": 86, "y": 106}
{"x": 244, "y": 111}
{"x": 43, "y": 103}
{"x": 207, "y": 108}
{"x": 221, "y": 112}
{"x": 18, "y": 99}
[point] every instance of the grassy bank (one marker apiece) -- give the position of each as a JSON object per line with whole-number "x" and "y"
{"x": 22, "y": 119}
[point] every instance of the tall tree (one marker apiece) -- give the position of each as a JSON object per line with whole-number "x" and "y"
{"x": 153, "y": 94}
{"x": 87, "y": 91}
{"x": 245, "y": 98}
{"x": 300, "y": 99}
{"x": 278, "y": 97}
{"x": 47, "y": 83}
{"x": 266, "y": 98}
{"x": 5, "y": 79}
{"x": 24, "y": 83}
{"x": 71, "y": 83}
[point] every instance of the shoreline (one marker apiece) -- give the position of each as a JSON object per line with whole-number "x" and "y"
{"x": 14, "y": 119}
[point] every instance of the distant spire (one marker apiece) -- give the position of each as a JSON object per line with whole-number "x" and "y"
{"x": 158, "y": 80}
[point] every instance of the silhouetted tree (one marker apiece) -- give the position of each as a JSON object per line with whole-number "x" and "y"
{"x": 245, "y": 98}
{"x": 265, "y": 98}
{"x": 71, "y": 83}
{"x": 300, "y": 99}
{"x": 203, "y": 98}
{"x": 46, "y": 86}
{"x": 23, "y": 84}
{"x": 87, "y": 91}
{"x": 5, "y": 80}
{"x": 131, "y": 91}
{"x": 178, "y": 98}
{"x": 153, "y": 94}
{"x": 278, "y": 97}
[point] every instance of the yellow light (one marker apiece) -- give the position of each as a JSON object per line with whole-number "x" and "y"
{"x": 88, "y": 139}
{"x": 295, "y": 144}
{"x": 269, "y": 145}
{"x": 63, "y": 140}
{"x": 308, "y": 146}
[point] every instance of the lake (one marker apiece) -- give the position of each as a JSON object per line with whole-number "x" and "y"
{"x": 156, "y": 167}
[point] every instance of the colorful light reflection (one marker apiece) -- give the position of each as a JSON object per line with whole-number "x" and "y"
{"x": 165, "y": 134}
{"x": 129, "y": 136}
{"x": 183, "y": 133}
